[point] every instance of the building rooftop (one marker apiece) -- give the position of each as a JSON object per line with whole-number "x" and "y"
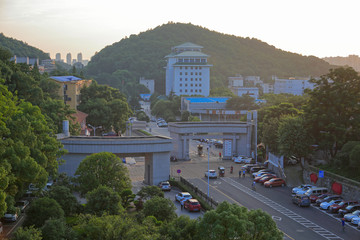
{"x": 207, "y": 99}
{"x": 188, "y": 45}
{"x": 65, "y": 78}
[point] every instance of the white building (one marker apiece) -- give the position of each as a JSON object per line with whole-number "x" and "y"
{"x": 58, "y": 57}
{"x": 68, "y": 58}
{"x": 79, "y": 57}
{"x": 149, "y": 83}
{"x": 295, "y": 86}
{"x": 237, "y": 81}
{"x": 267, "y": 88}
{"x": 187, "y": 71}
{"x": 251, "y": 91}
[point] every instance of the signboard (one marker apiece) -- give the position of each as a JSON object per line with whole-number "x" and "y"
{"x": 321, "y": 174}
{"x": 227, "y": 148}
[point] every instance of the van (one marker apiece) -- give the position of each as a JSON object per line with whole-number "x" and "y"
{"x": 316, "y": 191}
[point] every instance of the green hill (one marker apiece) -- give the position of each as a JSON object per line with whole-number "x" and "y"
{"x": 20, "y": 48}
{"x": 143, "y": 55}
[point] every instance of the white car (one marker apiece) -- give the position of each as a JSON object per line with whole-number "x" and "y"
{"x": 355, "y": 221}
{"x": 242, "y": 159}
{"x": 211, "y": 174}
{"x": 10, "y": 217}
{"x": 348, "y": 217}
{"x": 182, "y": 195}
{"x": 165, "y": 186}
{"x": 302, "y": 188}
{"x": 326, "y": 205}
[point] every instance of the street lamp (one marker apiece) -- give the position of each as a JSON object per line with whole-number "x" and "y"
{"x": 208, "y": 149}
{"x": 94, "y": 128}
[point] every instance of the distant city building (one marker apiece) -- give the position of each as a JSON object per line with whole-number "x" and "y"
{"x": 241, "y": 86}
{"x": 26, "y": 60}
{"x": 250, "y": 91}
{"x": 149, "y": 83}
{"x": 79, "y": 57}
{"x": 252, "y": 81}
{"x": 78, "y": 65}
{"x": 58, "y": 57}
{"x": 85, "y": 62}
{"x": 295, "y": 86}
{"x": 267, "y": 88}
{"x": 68, "y": 58}
{"x": 70, "y": 87}
{"x": 237, "y": 81}
{"x": 187, "y": 71}
{"x": 49, "y": 65}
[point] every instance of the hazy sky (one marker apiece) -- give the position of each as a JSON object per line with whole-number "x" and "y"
{"x": 308, "y": 27}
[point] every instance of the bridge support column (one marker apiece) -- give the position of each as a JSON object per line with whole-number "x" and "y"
{"x": 157, "y": 168}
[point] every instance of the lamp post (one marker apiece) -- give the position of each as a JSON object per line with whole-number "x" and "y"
{"x": 94, "y": 128}
{"x": 208, "y": 149}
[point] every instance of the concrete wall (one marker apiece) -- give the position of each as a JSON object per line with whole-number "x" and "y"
{"x": 350, "y": 188}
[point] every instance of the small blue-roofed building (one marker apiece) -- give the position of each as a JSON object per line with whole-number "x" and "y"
{"x": 210, "y": 108}
{"x": 70, "y": 87}
{"x": 187, "y": 71}
{"x": 145, "y": 97}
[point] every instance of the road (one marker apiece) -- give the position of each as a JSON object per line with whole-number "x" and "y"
{"x": 295, "y": 222}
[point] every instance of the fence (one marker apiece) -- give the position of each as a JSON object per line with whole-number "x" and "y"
{"x": 197, "y": 191}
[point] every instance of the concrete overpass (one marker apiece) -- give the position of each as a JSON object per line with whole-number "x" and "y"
{"x": 155, "y": 149}
{"x": 238, "y": 137}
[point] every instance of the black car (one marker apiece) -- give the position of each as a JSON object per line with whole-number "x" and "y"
{"x": 327, "y": 199}
{"x": 349, "y": 209}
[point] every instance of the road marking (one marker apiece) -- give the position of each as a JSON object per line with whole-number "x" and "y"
{"x": 276, "y": 218}
{"x": 274, "y": 205}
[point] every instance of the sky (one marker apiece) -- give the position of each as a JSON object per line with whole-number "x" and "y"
{"x": 321, "y": 28}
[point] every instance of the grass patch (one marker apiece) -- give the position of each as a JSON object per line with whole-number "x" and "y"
{"x": 144, "y": 132}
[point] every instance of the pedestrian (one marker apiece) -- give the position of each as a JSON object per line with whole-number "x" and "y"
{"x": 244, "y": 173}
{"x": 240, "y": 174}
{"x": 343, "y": 224}
{"x": 220, "y": 155}
{"x": 181, "y": 206}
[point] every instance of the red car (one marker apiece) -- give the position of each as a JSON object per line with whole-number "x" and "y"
{"x": 257, "y": 179}
{"x": 266, "y": 178}
{"x": 192, "y": 205}
{"x": 313, "y": 198}
{"x": 275, "y": 182}
{"x": 336, "y": 207}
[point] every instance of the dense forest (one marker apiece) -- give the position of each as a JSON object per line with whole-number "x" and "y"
{"x": 21, "y": 49}
{"x": 143, "y": 55}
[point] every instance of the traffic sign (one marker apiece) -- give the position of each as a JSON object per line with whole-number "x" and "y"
{"x": 321, "y": 174}
{"x": 178, "y": 171}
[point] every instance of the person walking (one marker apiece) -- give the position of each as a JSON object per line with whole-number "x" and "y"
{"x": 240, "y": 174}
{"x": 244, "y": 173}
{"x": 253, "y": 186}
{"x": 182, "y": 206}
{"x": 343, "y": 224}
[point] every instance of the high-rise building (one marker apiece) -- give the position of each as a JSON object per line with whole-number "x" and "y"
{"x": 68, "y": 58}
{"x": 79, "y": 57}
{"x": 58, "y": 57}
{"x": 187, "y": 71}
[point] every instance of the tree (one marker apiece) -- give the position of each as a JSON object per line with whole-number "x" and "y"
{"x": 293, "y": 137}
{"x": 127, "y": 197}
{"x": 65, "y": 198}
{"x": 180, "y": 228}
{"x": 56, "y": 229}
{"x": 102, "y": 169}
{"x": 161, "y": 208}
{"x": 270, "y": 136}
{"x": 30, "y": 233}
{"x": 149, "y": 192}
{"x": 221, "y": 92}
{"x": 41, "y": 210}
{"x": 103, "y": 200}
{"x": 355, "y": 158}
{"x": 230, "y": 221}
{"x": 244, "y": 102}
{"x": 332, "y": 113}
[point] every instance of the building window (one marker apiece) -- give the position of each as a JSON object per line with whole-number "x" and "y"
{"x": 196, "y": 73}
{"x": 185, "y": 79}
{"x": 185, "y": 85}
{"x": 203, "y": 60}
{"x": 191, "y": 85}
{"x": 191, "y": 90}
{"x": 200, "y": 73}
{"x": 195, "y": 85}
{"x": 200, "y": 79}
{"x": 180, "y": 67}
{"x": 185, "y": 90}
{"x": 195, "y": 79}
{"x": 191, "y": 73}
{"x": 180, "y": 90}
{"x": 180, "y": 73}
{"x": 200, "y": 85}
{"x": 186, "y": 60}
{"x": 185, "y": 67}
{"x": 180, "y": 84}
{"x": 195, "y": 90}
{"x": 181, "y": 60}
{"x": 191, "y": 68}
{"x": 185, "y": 73}
{"x": 199, "y": 90}
{"x": 191, "y": 79}
{"x": 191, "y": 60}
{"x": 200, "y": 68}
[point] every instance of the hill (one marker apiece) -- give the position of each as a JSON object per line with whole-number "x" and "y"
{"x": 143, "y": 55}
{"x": 20, "y": 48}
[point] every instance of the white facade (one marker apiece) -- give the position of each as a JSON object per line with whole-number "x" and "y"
{"x": 292, "y": 86}
{"x": 68, "y": 58}
{"x": 149, "y": 83}
{"x": 187, "y": 71}
{"x": 236, "y": 81}
{"x": 267, "y": 88}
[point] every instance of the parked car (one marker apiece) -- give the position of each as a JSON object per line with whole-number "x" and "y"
{"x": 257, "y": 179}
{"x": 1, "y": 229}
{"x": 192, "y": 205}
{"x": 349, "y": 209}
{"x": 10, "y": 217}
{"x": 348, "y": 217}
{"x": 262, "y": 172}
{"x": 242, "y": 159}
{"x": 327, "y": 199}
{"x": 165, "y": 186}
{"x": 182, "y": 195}
{"x": 315, "y": 191}
{"x": 256, "y": 169}
{"x": 218, "y": 144}
{"x": 327, "y": 204}
{"x": 336, "y": 207}
{"x": 355, "y": 221}
{"x": 359, "y": 225}
{"x": 247, "y": 167}
{"x": 313, "y": 198}
{"x": 301, "y": 200}
{"x": 275, "y": 182}
{"x": 266, "y": 178}
{"x": 22, "y": 204}
{"x": 211, "y": 174}
{"x": 302, "y": 187}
